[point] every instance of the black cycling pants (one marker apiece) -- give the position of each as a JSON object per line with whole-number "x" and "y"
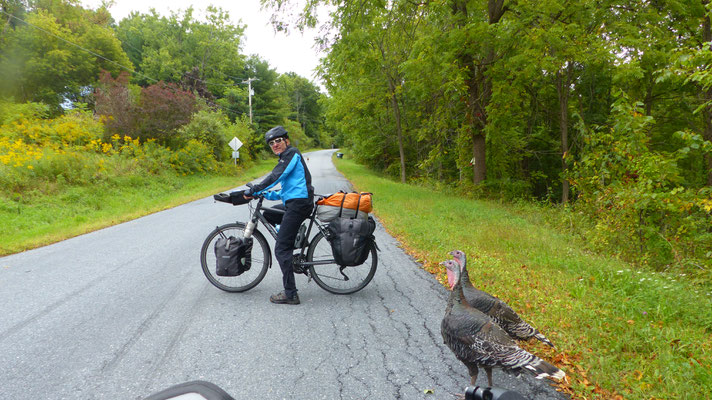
{"x": 297, "y": 210}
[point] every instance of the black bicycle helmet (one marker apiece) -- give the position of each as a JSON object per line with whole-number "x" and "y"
{"x": 277, "y": 131}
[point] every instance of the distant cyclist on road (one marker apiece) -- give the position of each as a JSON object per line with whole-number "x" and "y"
{"x": 297, "y": 194}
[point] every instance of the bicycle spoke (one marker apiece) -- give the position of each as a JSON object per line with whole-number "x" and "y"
{"x": 260, "y": 260}
{"x": 333, "y": 277}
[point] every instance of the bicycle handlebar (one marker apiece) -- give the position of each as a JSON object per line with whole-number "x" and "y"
{"x": 236, "y": 198}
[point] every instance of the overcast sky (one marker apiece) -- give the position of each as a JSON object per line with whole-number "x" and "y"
{"x": 293, "y": 53}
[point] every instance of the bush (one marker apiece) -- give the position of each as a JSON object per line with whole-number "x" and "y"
{"x": 164, "y": 108}
{"x": 635, "y": 196}
{"x": 11, "y": 112}
{"x": 35, "y": 150}
{"x": 195, "y": 157}
{"x": 213, "y": 128}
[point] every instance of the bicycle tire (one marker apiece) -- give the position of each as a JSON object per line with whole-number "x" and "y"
{"x": 261, "y": 259}
{"x": 329, "y": 276}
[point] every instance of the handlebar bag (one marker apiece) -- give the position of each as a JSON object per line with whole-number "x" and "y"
{"x": 234, "y": 256}
{"x": 237, "y": 198}
{"x": 350, "y": 239}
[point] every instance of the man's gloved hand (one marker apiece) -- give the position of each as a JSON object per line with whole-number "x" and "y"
{"x": 248, "y": 191}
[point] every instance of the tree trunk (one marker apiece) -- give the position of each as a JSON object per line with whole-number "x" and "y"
{"x": 4, "y": 28}
{"x": 399, "y": 130}
{"x": 707, "y": 113}
{"x": 562, "y": 89}
{"x": 479, "y": 88}
{"x": 479, "y": 165}
{"x": 649, "y": 97}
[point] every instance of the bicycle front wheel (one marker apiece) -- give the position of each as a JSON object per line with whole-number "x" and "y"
{"x": 261, "y": 259}
{"x": 333, "y": 277}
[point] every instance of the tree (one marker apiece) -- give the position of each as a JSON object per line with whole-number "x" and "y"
{"x": 305, "y": 108}
{"x": 115, "y": 101}
{"x": 162, "y": 109}
{"x": 13, "y": 12}
{"x": 57, "y": 52}
{"x": 268, "y": 107}
{"x": 168, "y": 48}
{"x": 363, "y": 74}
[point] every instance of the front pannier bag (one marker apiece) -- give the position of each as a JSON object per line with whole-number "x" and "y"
{"x": 234, "y": 256}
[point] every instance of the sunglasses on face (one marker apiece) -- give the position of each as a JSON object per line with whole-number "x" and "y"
{"x": 276, "y": 141}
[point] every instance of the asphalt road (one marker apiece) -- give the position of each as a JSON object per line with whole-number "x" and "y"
{"x": 125, "y": 311}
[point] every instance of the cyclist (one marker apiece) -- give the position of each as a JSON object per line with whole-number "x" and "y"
{"x": 297, "y": 195}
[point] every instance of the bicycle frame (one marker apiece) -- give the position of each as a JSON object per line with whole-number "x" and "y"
{"x": 257, "y": 216}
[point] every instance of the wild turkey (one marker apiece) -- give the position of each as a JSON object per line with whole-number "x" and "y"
{"x": 478, "y": 341}
{"x": 500, "y": 312}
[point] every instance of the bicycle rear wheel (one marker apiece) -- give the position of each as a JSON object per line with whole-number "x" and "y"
{"x": 334, "y": 278}
{"x": 261, "y": 259}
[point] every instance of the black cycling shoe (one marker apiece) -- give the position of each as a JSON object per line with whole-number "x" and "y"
{"x": 281, "y": 298}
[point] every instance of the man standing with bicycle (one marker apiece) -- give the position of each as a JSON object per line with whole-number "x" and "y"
{"x": 297, "y": 195}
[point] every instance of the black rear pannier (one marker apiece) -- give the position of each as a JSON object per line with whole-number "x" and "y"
{"x": 350, "y": 239}
{"x": 234, "y": 256}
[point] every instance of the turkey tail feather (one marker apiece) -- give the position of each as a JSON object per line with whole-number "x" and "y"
{"x": 543, "y": 369}
{"x": 543, "y": 338}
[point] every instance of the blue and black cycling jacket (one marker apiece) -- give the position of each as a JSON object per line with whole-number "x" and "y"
{"x": 292, "y": 173}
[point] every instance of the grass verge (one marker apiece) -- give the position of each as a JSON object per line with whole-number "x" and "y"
{"x": 37, "y": 219}
{"x": 619, "y": 332}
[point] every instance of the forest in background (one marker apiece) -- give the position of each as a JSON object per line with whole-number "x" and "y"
{"x": 603, "y": 106}
{"x": 85, "y": 99}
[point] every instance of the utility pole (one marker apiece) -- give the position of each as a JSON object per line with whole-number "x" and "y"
{"x": 250, "y": 93}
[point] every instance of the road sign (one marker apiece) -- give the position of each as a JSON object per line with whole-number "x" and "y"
{"x": 235, "y": 154}
{"x": 235, "y": 143}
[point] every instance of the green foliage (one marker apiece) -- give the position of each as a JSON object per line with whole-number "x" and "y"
{"x": 38, "y": 61}
{"x": 11, "y": 111}
{"x": 627, "y": 187}
{"x": 305, "y": 105}
{"x": 214, "y": 129}
{"x": 167, "y": 48}
{"x": 194, "y": 157}
{"x": 46, "y": 154}
{"x": 33, "y": 151}
{"x": 268, "y": 107}
{"x": 297, "y": 136}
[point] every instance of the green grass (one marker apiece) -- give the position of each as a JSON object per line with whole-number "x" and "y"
{"x": 618, "y": 331}
{"x": 36, "y": 219}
